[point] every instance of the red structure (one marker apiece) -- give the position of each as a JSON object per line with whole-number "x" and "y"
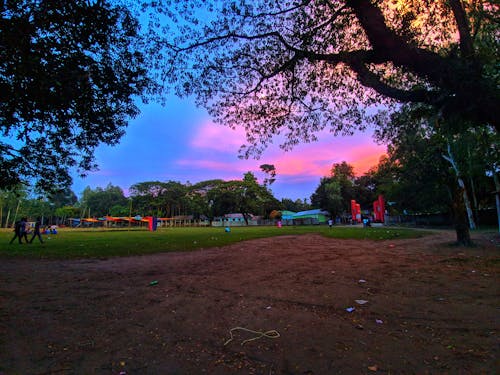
{"x": 355, "y": 212}
{"x": 379, "y": 209}
{"x": 152, "y": 222}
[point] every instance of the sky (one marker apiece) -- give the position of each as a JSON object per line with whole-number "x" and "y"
{"x": 179, "y": 142}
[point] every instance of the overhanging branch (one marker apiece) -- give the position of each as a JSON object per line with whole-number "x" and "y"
{"x": 369, "y": 79}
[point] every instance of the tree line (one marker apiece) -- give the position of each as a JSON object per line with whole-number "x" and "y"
{"x": 205, "y": 199}
{"x": 417, "y": 175}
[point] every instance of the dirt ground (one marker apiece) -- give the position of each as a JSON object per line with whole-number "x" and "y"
{"x": 431, "y": 309}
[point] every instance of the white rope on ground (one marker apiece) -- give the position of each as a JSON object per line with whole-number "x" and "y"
{"x": 272, "y": 334}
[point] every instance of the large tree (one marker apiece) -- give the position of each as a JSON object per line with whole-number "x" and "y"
{"x": 70, "y": 76}
{"x": 292, "y": 68}
{"x": 160, "y": 198}
{"x": 335, "y": 192}
{"x": 244, "y": 196}
{"x": 435, "y": 168}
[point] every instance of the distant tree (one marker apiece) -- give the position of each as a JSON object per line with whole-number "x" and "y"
{"x": 335, "y": 192}
{"x": 328, "y": 196}
{"x": 295, "y": 205}
{"x": 160, "y": 198}
{"x": 119, "y": 210}
{"x": 224, "y": 198}
{"x": 70, "y": 76}
{"x": 343, "y": 171}
{"x": 66, "y": 212}
{"x": 257, "y": 199}
{"x": 293, "y": 68}
{"x": 63, "y": 197}
{"x": 365, "y": 189}
{"x": 148, "y": 197}
{"x": 201, "y": 199}
{"x": 100, "y": 201}
{"x": 246, "y": 197}
{"x": 275, "y": 215}
{"x": 343, "y": 174}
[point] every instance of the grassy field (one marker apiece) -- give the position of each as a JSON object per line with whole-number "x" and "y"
{"x": 99, "y": 243}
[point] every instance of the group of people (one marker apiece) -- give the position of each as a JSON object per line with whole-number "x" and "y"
{"x": 21, "y": 230}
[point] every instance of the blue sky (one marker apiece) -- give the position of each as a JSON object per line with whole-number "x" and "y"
{"x": 179, "y": 142}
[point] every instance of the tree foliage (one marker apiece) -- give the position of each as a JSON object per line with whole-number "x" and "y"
{"x": 295, "y": 205}
{"x": 99, "y": 201}
{"x": 293, "y": 68}
{"x": 270, "y": 171}
{"x": 418, "y": 141}
{"x": 160, "y": 198}
{"x": 246, "y": 197}
{"x": 70, "y": 75}
{"x": 441, "y": 168}
{"x": 335, "y": 192}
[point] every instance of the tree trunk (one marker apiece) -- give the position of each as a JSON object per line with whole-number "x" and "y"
{"x": 15, "y": 215}
{"x": 460, "y": 217}
{"x": 461, "y": 184}
{"x": 475, "y": 204}
{"x": 245, "y": 217}
{"x": 7, "y": 220}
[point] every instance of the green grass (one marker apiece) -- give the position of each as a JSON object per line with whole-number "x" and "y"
{"x": 99, "y": 243}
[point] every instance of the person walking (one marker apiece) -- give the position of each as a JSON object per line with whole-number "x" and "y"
{"x": 24, "y": 229}
{"x": 17, "y": 232}
{"x": 36, "y": 231}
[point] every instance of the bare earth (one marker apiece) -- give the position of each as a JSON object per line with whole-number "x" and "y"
{"x": 432, "y": 308}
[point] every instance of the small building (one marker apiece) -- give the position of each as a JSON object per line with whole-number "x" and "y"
{"x": 316, "y": 216}
{"x": 235, "y": 219}
{"x": 287, "y": 215}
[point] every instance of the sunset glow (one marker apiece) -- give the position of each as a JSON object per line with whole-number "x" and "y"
{"x": 179, "y": 142}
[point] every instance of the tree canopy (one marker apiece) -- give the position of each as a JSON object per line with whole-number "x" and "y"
{"x": 70, "y": 76}
{"x": 293, "y": 68}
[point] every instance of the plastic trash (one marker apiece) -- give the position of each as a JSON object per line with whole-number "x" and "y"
{"x": 361, "y": 281}
{"x": 379, "y": 321}
{"x": 361, "y": 301}
{"x": 154, "y": 282}
{"x": 350, "y": 309}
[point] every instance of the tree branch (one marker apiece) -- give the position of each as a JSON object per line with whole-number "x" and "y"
{"x": 284, "y": 11}
{"x": 271, "y": 34}
{"x": 463, "y": 28}
{"x": 334, "y": 16}
{"x": 385, "y": 42}
{"x": 369, "y": 79}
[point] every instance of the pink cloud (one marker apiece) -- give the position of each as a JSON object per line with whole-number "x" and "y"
{"x": 217, "y": 137}
{"x": 205, "y": 164}
{"x": 304, "y": 162}
{"x": 316, "y": 159}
